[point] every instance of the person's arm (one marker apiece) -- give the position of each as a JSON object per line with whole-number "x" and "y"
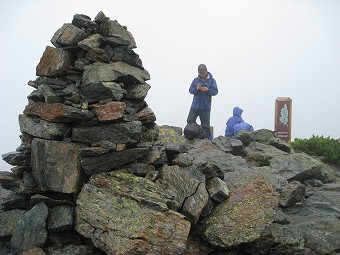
{"x": 195, "y": 87}
{"x": 213, "y": 90}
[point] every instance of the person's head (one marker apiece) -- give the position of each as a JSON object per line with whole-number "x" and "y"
{"x": 202, "y": 71}
{"x": 237, "y": 111}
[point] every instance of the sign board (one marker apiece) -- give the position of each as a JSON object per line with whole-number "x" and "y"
{"x": 283, "y": 118}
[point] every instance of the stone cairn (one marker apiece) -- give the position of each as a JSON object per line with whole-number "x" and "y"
{"x": 90, "y": 90}
{"x": 86, "y": 115}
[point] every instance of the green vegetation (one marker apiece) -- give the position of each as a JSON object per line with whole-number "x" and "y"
{"x": 327, "y": 148}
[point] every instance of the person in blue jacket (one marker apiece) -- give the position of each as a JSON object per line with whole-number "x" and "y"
{"x": 232, "y": 121}
{"x": 242, "y": 126}
{"x": 203, "y": 87}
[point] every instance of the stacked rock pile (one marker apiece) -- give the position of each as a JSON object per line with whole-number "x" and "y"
{"x": 87, "y": 114}
{"x": 88, "y": 102}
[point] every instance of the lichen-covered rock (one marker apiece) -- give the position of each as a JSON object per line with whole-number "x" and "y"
{"x": 301, "y": 167}
{"x": 169, "y": 136}
{"x": 190, "y": 195}
{"x": 243, "y": 217}
{"x": 293, "y": 193}
{"x": 260, "y": 154}
{"x": 278, "y": 239}
{"x": 125, "y": 214}
{"x": 262, "y": 136}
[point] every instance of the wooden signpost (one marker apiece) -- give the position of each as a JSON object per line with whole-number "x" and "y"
{"x": 283, "y": 118}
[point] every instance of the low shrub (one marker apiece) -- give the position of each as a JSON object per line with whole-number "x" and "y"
{"x": 325, "y": 147}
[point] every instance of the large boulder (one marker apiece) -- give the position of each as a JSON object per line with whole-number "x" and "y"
{"x": 125, "y": 214}
{"x": 56, "y": 165}
{"x": 190, "y": 195}
{"x": 244, "y": 216}
{"x": 301, "y": 167}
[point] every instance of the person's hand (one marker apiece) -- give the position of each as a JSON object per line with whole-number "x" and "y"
{"x": 204, "y": 89}
{"x": 199, "y": 87}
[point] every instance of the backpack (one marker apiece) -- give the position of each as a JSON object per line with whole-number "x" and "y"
{"x": 242, "y": 126}
{"x": 193, "y": 130}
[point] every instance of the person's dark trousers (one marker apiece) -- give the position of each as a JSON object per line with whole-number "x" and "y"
{"x": 204, "y": 117}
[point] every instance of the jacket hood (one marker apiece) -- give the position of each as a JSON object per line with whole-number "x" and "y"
{"x": 237, "y": 111}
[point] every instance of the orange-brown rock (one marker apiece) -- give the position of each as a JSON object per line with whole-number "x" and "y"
{"x": 57, "y": 112}
{"x": 109, "y": 111}
{"x": 54, "y": 62}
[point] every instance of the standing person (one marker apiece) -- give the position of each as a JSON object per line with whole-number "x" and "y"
{"x": 232, "y": 121}
{"x": 203, "y": 87}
